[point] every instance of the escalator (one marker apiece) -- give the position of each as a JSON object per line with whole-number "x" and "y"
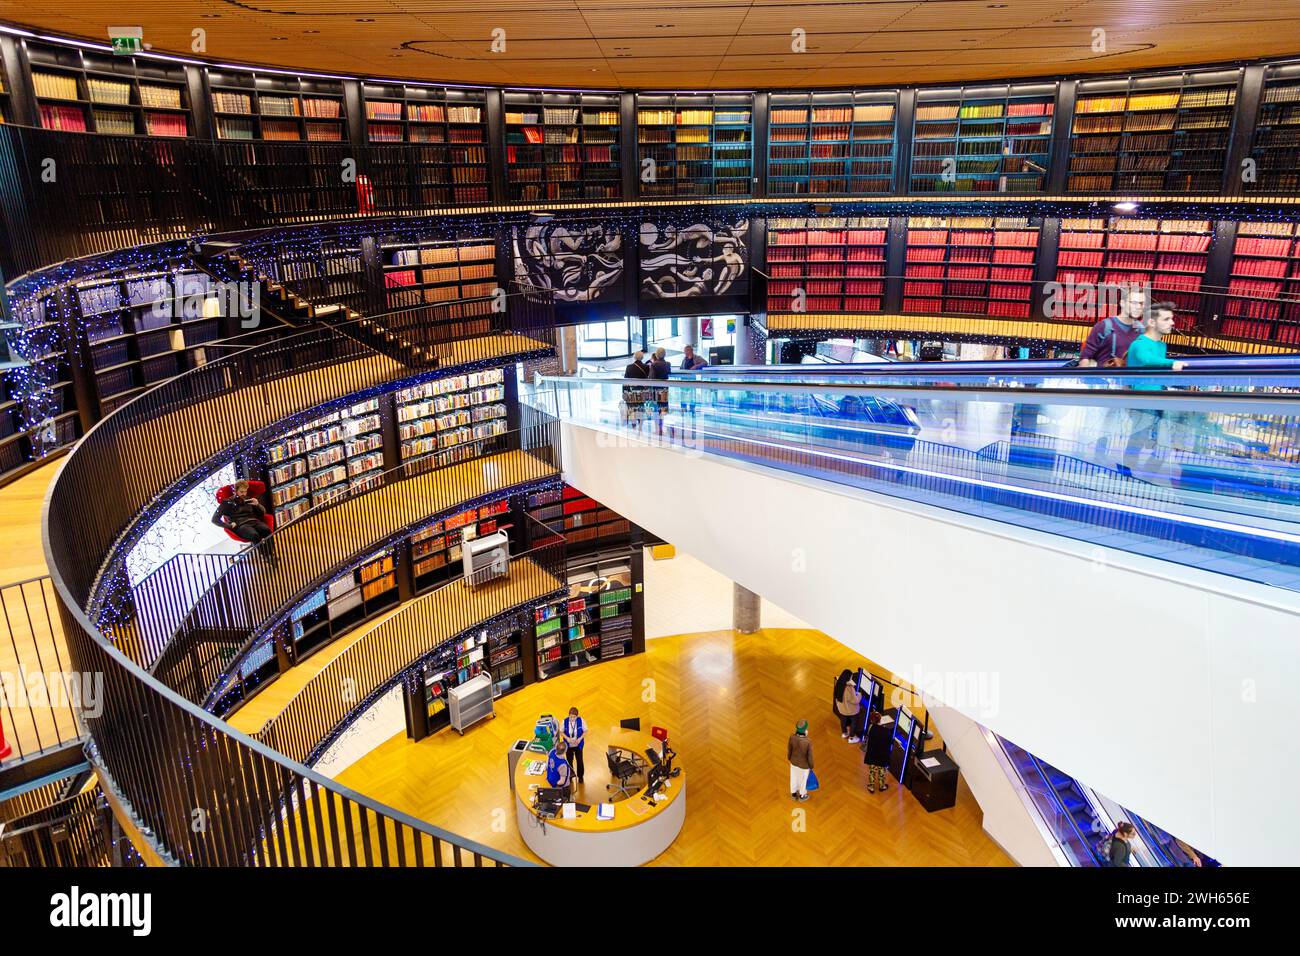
{"x": 1078, "y": 818}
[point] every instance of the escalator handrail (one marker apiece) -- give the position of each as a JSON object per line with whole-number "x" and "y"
{"x": 1168, "y": 396}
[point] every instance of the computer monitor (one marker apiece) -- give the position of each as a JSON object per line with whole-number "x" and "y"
{"x": 654, "y": 779}
{"x": 654, "y": 756}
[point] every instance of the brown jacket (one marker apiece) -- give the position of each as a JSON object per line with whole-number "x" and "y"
{"x": 799, "y": 752}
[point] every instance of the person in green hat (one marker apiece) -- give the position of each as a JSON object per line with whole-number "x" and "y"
{"x": 799, "y": 752}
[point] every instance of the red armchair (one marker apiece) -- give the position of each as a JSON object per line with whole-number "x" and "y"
{"x": 255, "y": 489}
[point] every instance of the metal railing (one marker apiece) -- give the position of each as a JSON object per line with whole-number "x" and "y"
{"x": 73, "y": 832}
{"x": 379, "y": 658}
{"x": 253, "y": 588}
{"x": 170, "y": 762}
{"x": 39, "y": 693}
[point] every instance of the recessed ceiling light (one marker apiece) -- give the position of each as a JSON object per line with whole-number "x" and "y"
{"x": 997, "y": 6}
{"x": 311, "y": 31}
{"x": 279, "y": 38}
{"x": 1126, "y": 207}
{"x": 210, "y": 16}
{"x": 365, "y": 19}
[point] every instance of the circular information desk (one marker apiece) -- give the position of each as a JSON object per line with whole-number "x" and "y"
{"x": 640, "y": 830}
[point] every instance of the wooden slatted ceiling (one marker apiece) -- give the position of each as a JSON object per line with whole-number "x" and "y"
{"x": 717, "y": 44}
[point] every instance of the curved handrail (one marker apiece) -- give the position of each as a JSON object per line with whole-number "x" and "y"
{"x": 249, "y": 594}
{"x": 167, "y": 757}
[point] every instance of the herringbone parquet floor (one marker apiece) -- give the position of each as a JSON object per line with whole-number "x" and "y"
{"x": 730, "y": 702}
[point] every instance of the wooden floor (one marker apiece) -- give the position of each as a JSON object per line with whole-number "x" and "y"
{"x": 730, "y": 702}
{"x": 21, "y": 554}
{"x": 31, "y": 639}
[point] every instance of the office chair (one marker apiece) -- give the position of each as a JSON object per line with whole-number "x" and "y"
{"x": 622, "y": 769}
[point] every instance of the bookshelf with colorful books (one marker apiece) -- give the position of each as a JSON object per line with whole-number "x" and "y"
{"x": 428, "y": 143}
{"x": 1276, "y": 146}
{"x": 436, "y": 545}
{"x": 451, "y": 664}
{"x": 599, "y": 619}
{"x": 826, "y": 264}
{"x": 1262, "y": 301}
{"x": 994, "y": 139}
{"x": 454, "y": 416}
{"x": 323, "y": 459}
{"x": 276, "y": 108}
{"x": 458, "y": 273}
{"x": 1169, "y": 257}
{"x": 356, "y": 595}
{"x": 1162, "y": 134}
{"x": 695, "y": 144}
{"x": 562, "y": 145}
{"x": 80, "y": 91}
{"x": 583, "y": 521}
{"x": 970, "y": 265}
{"x": 832, "y": 143}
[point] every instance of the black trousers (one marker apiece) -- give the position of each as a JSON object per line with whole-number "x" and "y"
{"x": 255, "y": 532}
{"x": 575, "y": 761}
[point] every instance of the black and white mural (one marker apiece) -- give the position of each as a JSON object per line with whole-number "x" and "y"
{"x": 578, "y": 261}
{"x": 694, "y": 259}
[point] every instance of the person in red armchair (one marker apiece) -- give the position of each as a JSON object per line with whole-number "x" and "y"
{"x": 244, "y": 517}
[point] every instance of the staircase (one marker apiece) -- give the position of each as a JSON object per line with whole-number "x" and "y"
{"x": 294, "y": 309}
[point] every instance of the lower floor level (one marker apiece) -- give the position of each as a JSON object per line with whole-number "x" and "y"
{"x": 729, "y": 702}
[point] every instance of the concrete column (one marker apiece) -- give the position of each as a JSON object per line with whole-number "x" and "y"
{"x": 745, "y": 610}
{"x": 690, "y": 330}
{"x": 566, "y": 349}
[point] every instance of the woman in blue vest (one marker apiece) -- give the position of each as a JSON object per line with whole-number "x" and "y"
{"x": 574, "y": 734}
{"x": 557, "y": 766}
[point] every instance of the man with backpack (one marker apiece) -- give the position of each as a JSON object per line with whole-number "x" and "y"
{"x": 1108, "y": 343}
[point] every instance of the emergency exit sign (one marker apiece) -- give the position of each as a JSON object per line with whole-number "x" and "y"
{"x": 126, "y": 40}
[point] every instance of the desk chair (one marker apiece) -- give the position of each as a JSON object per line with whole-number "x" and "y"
{"x": 621, "y": 768}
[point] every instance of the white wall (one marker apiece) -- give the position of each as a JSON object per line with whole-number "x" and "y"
{"x": 1172, "y": 691}
{"x": 1007, "y": 817}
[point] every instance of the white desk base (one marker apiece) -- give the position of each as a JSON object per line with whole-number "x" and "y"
{"x": 628, "y": 846}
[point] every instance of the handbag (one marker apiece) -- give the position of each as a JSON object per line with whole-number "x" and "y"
{"x": 813, "y": 783}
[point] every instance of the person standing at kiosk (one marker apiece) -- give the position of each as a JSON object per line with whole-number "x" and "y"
{"x": 880, "y": 738}
{"x": 574, "y": 734}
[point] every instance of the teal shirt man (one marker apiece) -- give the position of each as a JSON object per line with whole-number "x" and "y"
{"x": 1148, "y": 349}
{"x": 1146, "y": 352}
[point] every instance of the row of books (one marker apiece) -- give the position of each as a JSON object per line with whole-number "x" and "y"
{"x": 54, "y": 85}
{"x": 1175, "y": 99}
{"x": 876, "y": 113}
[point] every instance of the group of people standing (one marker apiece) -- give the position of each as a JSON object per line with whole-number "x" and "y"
{"x": 565, "y": 761}
{"x": 637, "y": 400}
{"x": 861, "y": 723}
